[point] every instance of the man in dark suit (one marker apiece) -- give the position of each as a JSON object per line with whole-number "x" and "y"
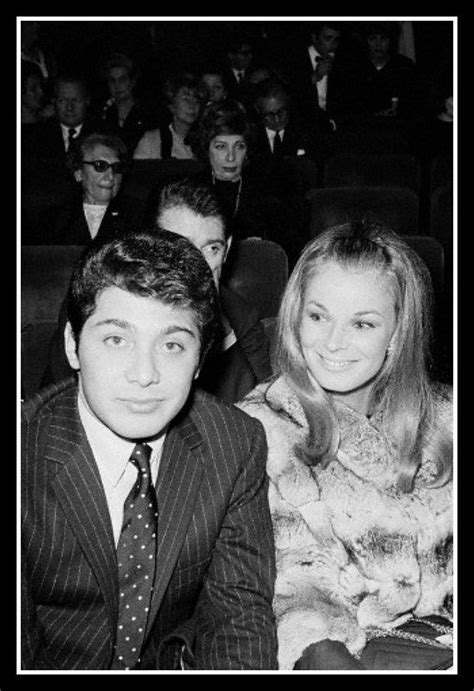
{"x": 71, "y": 104}
{"x": 280, "y": 132}
{"x": 324, "y": 76}
{"x": 240, "y": 357}
{"x": 191, "y": 531}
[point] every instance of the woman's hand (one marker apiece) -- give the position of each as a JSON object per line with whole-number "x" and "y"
{"x": 327, "y": 654}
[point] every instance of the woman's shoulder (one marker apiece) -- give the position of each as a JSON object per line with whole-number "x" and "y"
{"x": 149, "y": 146}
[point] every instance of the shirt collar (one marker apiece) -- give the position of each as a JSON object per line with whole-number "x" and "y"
{"x": 65, "y": 129}
{"x": 271, "y": 133}
{"x": 111, "y": 452}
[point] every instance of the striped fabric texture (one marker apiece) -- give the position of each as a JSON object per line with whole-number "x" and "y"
{"x": 215, "y": 552}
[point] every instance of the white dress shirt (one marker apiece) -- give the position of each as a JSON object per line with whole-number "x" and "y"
{"x": 322, "y": 84}
{"x": 65, "y": 132}
{"x": 112, "y": 454}
{"x": 271, "y": 136}
{"x": 94, "y": 214}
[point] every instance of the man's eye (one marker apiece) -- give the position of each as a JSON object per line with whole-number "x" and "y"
{"x": 115, "y": 341}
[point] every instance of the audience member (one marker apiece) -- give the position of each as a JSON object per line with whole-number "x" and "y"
{"x": 123, "y": 114}
{"x": 391, "y": 87}
{"x": 98, "y": 162}
{"x": 185, "y": 97}
{"x": 213, "y": 78}
{"x": 238, "y": 61}
{"x": 360, "y": 460}
{"x": 71, "y": 102}
{"x": 324, "y": 78}
{"x": 32, "y": 49}
{"x": 224, "y": 138}
{"x": 240, "y": 357}
{"x": 280, "y": 133}
{"x": 32, "y": 94}
{"x": 194, "y": 591}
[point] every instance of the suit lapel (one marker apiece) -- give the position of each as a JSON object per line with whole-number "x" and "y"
{"x": 79, "y": 491}
{"x": 178, "y": 482}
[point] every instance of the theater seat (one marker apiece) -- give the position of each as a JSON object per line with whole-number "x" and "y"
{"x": 45, "y": 275}
{"x": 258, "y": 271}
{"x": 380, "y": 170}
{"x": 393, "y": 206}
{"x": 441, "y": 216}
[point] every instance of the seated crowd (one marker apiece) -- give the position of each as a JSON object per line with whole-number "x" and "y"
{"x": 294, "y": 491}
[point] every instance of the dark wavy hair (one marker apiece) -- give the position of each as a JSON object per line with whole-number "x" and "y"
{"x": 225, "y": 117}
{"x": 163, "y": 265}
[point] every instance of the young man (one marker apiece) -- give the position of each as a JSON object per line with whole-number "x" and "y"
{"x": 240, "y": 358}
{"x": 171, "y": 566}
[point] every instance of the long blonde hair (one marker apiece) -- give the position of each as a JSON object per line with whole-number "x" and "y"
{"x": 403, "y": 388}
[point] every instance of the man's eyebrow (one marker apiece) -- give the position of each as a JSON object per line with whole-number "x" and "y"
{"x": 123, "y": 324}
{"x": 112, "y": 321}
{"x": 176, "y": 328}
{"x": 216, "y": 241}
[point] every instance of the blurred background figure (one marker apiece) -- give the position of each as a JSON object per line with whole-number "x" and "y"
{"x": 33, "y": 50}
{"x": 32, "y": 94}
{"x": 214, "y": 80}
{"x": 123, "y": 113}
{"x": 280, "y": 131}
{"x": 238, "y": 61}
{"x": 322, "y": 74}
{"x": 184, "y": 95}
{"x": 71, "y": 118}
{"x": 391, "y": 86}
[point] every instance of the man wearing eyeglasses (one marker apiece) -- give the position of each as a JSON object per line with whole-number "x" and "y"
{"x": 98, "y": 162}
{"x": 280, "y": 132}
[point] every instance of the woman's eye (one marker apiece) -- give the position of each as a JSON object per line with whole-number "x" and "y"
{"x": 364, "y": 325}
{"x": 173, "y": 347}
{"x": 315, "y": 316}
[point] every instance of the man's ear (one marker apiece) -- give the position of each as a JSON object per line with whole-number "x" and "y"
{"x": 78, "y": 175}
{"x": 70, "y": 347}
{"x": 228, "y": 243}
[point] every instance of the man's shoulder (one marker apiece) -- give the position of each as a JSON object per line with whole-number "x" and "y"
{"x": 49, "y": 402}
{"x": 210, "y": 413}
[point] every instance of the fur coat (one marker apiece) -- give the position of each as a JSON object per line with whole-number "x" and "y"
{"x": 353, "y": 553}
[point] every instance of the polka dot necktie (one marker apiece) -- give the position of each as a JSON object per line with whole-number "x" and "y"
{"x": 136, "y": 553}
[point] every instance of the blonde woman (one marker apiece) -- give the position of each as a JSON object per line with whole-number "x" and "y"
{"x": 360, "y": 458}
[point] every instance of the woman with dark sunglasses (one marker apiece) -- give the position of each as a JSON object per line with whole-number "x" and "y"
{"x": 98, "y": 162}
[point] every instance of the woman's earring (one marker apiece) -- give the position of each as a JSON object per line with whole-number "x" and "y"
{"x": 389, "y": 348}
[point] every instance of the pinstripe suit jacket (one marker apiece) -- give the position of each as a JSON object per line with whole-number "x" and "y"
{"x": 215, "y": 553}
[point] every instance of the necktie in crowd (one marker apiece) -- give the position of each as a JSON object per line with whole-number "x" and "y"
{"x": 277, "y": 143}
{"x": 71, "y": 136}
{"x": 136, "y": 554}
